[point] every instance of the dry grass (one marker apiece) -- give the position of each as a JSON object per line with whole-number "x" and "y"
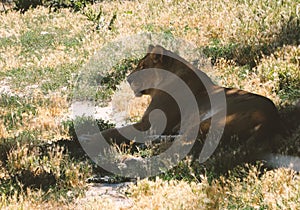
{"x": 133, "y": 107}
{"x": 275, "y": 76}
{"x": 45, "y": 118}
{"x": 207, "y": 21}
{"x": 278, "y": 189}
{"x": 253, "y": 44}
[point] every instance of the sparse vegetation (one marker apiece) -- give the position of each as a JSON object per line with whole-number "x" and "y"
{"x": 253, "y": 191}
{"x": 252, "y": 45}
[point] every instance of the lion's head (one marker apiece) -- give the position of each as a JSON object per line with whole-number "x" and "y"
{"x": 158, "y": 57}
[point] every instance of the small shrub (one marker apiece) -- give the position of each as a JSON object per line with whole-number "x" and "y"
{"x": 216, "y": 50}
{"x": 79, "y": 125}
{"x": 93, "y": 15}
{"x": 118, "y": 73}
{"x": 97, "y": 17}
{"x": 55, "y": 5}
{"x": 110, "y": 81}
{"x": 24, "y": 5}
{"x": 75, "y": 5}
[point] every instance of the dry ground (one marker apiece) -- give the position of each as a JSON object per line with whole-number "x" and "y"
{"x": 253, "y": 45}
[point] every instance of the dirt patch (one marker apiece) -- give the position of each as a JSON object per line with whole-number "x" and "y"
{"x": 110, "y": 196}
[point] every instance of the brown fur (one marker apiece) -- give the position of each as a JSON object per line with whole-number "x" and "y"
{"x": 252, "y": 119}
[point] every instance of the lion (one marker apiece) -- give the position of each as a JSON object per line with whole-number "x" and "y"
{"x": 251, "y": 120}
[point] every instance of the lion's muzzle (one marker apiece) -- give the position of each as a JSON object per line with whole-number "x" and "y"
{"x": 135, "y": 85}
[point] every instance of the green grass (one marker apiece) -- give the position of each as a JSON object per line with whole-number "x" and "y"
{"x": 253, "y": 45}
{"x": 20, "y": 110}
{"x": 49, "y": 79}
{"x": 7, "y": 41}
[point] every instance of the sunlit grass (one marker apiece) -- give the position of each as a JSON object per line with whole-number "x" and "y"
{"x": 272, "y": 190}
{"x": 253, "y": 45}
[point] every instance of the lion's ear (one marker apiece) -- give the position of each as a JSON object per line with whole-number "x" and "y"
{"x": 157, "y": 54}
{"x": 150, "y": 48}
